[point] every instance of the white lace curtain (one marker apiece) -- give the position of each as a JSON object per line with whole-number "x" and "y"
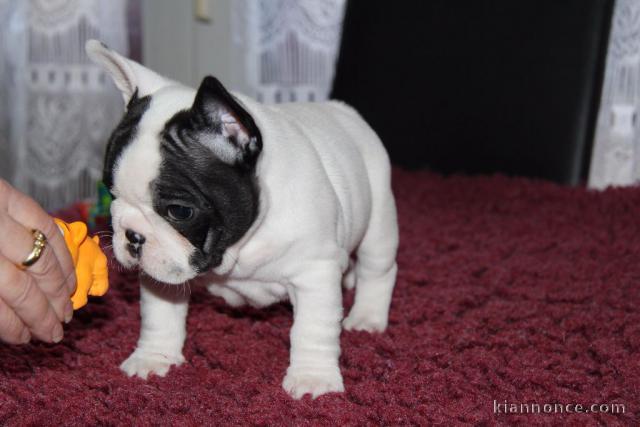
{"x": 290, "y": 46}
{"x": 616, "y": 151}
{"x": 57, "y": 109}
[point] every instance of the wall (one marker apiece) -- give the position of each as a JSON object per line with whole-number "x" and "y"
{"x": 184, "y": 48}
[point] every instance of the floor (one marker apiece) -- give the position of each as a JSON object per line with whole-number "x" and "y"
{"x": 509, "y": 291}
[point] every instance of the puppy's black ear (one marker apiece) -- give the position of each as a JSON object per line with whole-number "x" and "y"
{"x": 233, "y": 135}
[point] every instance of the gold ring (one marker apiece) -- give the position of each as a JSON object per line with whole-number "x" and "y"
{"x": 39, "y": 243}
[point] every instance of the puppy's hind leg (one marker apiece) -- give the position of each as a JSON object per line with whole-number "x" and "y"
{"x": 376, "y": 268}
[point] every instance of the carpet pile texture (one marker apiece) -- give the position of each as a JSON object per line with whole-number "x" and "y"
{"x": 508, "y": 290}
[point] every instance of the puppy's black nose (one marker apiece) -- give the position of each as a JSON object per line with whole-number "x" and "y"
{"x": 134, "y": 238}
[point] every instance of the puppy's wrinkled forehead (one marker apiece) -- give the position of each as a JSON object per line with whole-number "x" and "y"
{"x": 211, "y": 118}
{"x": 133, "y": 155}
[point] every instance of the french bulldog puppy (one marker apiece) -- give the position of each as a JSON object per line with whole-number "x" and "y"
{"x": 268, "y": 202}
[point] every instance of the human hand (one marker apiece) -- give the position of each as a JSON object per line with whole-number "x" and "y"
{"x": 33, "y": 301}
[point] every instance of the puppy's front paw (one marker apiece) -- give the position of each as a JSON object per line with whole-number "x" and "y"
{"x": 142, "y": 363}
{"x": 316, "y": 382}
{"x": 369, "y": 321}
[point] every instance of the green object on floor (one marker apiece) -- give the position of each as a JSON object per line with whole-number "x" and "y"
{"x": 99, "y": 212}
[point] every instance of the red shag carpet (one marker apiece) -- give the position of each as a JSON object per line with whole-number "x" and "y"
{"x": 508, "y": 290}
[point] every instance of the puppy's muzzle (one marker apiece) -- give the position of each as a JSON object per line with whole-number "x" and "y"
{"x": 136, "y": 240}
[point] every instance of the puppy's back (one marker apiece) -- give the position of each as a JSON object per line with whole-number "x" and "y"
{"x": 352, "y": 155}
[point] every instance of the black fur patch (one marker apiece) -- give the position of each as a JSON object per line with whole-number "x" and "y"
{"x": 224, "y": 197}
{"x": 123, "y": 135}
{"x": 211, "y": 94}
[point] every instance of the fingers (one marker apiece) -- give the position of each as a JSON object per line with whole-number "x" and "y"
{"x": 54, "y": 272}
{"x": 29, "y": 214}
{"x": 21, "y": 293}
{"x": 16, "y": 244}
{"x": 12, "y": 329}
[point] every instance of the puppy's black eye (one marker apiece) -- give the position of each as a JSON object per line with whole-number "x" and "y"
{"x": 179, "y": 212}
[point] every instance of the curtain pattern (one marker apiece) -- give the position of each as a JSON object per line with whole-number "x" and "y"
{"x": 57, "y": 107}
{"x": 290, "y": 47}
{"x": 616, "y": 151}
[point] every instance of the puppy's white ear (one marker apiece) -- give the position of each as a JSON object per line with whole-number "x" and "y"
{"x": 127, "y": 75}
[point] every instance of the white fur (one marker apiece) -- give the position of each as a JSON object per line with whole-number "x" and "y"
{"x": 324, "y": 181}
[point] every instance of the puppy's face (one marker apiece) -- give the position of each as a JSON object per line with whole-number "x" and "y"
{"x": 181, "y": 168}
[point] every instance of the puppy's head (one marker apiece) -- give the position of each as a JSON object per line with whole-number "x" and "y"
{"x": 181, "y": 168}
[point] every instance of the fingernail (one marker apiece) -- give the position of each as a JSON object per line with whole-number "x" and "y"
{"x": 68, "y": 313}
{"x": 57, "y": 333}
{"x": 25, "y": 337}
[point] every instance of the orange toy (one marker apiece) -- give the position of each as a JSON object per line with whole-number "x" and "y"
{"x": 90, "y": 262}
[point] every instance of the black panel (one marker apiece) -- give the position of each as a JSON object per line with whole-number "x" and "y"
{"x": 485, "y": 86}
